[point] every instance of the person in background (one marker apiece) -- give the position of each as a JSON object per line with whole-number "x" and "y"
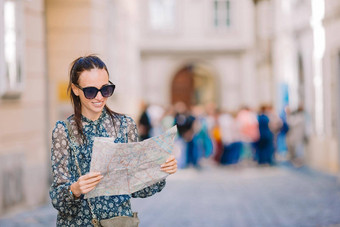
{"x": 188, "y": 141}
{"x": 265, "y": 143}
{"x": 155, "y": 113}
{"x": 231, "y": 139}
{"x": 168, "y": 118}
{"x": 202, "y": 136}
{"x": 249, "y": 129}
{"x": 144, "y": 123}
{"x": 281, "y": 137}
{"x": 296, "y": 137}
{"x": 275, "y": 126}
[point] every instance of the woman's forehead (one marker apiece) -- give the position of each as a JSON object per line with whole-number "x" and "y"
{"x": 93, "y": 77}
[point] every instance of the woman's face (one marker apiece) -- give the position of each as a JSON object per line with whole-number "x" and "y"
{"x": 92, "y": 108}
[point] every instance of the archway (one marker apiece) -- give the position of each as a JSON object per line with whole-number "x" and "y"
{"x": 194, "y": 84}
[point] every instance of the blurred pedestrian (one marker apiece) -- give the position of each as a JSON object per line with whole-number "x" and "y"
{"x": 144, "y": 123}
{"x": 249, "y": 129}
{"x": 296, "y": 137}
{"x": 214, "y": 130}
{"x": 155, "y": 113}
{"x": 189, "y": 153}
{"x": 202, "y": 133}
{"x": 168, "y": 118}
{"x": 72, "y": 142}
{"x": 231, "y": 139}
{"x": 281, "y": 137}
{"x": 265, "y": 143}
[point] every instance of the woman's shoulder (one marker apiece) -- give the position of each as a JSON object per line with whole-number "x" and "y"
{"x": 59, "y": 124}
{"x": 62, "y": 125}
{"x": 123, "y": 118}
{"x": 59, "y": 130}
{"x": 129, "y": 120}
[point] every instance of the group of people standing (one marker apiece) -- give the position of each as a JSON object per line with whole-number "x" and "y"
{"x": 263, "y": 137}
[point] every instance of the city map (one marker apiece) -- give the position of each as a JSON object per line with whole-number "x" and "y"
{"x": 130, "y": 167}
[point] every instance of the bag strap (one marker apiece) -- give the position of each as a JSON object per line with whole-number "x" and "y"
{"x": 95, "y": 220}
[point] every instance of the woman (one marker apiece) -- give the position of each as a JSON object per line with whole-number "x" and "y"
{"x": 89, "y": 88}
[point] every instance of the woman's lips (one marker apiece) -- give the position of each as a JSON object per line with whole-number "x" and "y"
{"x": 97, "y": 104}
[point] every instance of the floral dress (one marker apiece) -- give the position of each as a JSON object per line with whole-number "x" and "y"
{"x": 76, "y": 212}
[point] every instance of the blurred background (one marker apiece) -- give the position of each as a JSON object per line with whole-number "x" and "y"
{"x": 242, "y": 76}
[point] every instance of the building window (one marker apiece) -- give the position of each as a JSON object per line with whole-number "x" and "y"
{"x": 11, "y": 77}
{"x": 162, "y": 15}
{"x": 222, "y": 13}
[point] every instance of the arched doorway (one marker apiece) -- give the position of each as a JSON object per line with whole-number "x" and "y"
{"x": 193, "y": 84}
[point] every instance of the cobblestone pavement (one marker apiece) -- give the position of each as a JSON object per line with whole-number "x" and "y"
{"x": 224, "y": 196}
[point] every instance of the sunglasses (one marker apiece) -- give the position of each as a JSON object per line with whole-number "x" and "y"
{"x": 91, "y": 92}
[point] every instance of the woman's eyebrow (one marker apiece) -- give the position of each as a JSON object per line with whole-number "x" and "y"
{"x": 108, "y": 83}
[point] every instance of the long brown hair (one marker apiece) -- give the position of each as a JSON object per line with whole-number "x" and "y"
{"x": 78, "y": 66}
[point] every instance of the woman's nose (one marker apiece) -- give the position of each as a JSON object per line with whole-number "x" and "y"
{"x": 99, "y": 95}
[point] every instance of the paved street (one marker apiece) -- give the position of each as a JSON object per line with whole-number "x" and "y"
{"x": 224, "y": 196}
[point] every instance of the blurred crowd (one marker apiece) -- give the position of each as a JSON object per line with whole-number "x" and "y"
{"x": 261, "y": 136}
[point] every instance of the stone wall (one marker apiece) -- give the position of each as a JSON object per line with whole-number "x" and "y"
{"x": 23, "y": 132}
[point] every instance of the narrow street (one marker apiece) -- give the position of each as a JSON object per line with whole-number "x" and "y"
{"x": 224, "y": 196}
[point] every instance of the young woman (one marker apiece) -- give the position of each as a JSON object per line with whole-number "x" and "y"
{"x": 89, "y": 88}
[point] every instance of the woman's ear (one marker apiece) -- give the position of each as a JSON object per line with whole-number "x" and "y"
{"x": 75, "y": 89}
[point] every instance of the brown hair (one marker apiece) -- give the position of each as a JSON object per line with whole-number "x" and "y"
{"x": 78, "y": 66}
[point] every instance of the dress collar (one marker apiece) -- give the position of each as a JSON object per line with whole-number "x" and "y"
{"x": 98, "y": 121}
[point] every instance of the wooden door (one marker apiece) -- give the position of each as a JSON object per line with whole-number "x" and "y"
{"x": 183, "y": 87}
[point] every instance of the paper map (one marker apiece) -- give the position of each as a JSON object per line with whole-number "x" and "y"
{"x": 129, "y": 167}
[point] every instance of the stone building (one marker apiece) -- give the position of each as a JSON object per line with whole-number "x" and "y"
{"x": 331, "y": 83}
{"x": 303, "y": 58}
{"x": 23, "y": 105}
{"x": 203, "y": 52}
{"x": 231, "y": 52}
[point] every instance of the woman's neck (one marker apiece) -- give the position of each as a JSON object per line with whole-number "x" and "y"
{"x": 91, "y": 116}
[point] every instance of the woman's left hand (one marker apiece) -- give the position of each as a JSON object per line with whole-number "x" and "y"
{"x": 170, "y": 166}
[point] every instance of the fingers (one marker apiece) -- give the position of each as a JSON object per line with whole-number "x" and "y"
{"x": 170, "y": 169}
{"x": 171, "y": 161}
{"x": 88, "y": 182}
{"x": 171, "y": 158}
{"x": 88, "y": 190}
{"x": 87, "y": 186}
{"x": 90, "y": 175}
{"x": 170, "y": 166}
{"x": 91, "y": 180}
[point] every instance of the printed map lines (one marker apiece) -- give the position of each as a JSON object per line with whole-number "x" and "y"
{"x": 130, "y": 167}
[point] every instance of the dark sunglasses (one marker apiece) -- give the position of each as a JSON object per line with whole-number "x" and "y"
{"x": 91, "y": 92}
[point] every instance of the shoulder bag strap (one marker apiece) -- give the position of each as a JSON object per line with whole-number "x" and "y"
{"x": 95, "y": 221}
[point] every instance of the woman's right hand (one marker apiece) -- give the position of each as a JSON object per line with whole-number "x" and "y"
{"x": 86, "y": 183}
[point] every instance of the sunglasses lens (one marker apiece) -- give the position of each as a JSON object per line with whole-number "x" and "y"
{"x": 90, "y": 92}
{"x": 107, "y": 90}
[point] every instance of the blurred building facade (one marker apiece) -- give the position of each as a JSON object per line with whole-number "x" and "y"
{"x": 23, "y": 112}
{"x": 231, "y": 52}
{"x": 297, "y": 49}
{"x": 204, "y": 51}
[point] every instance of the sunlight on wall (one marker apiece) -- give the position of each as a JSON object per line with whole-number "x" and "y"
{"x": 318, "y": 10}
{"x": 10, "y": 41}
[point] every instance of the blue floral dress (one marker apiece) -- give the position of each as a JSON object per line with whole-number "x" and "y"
{"x": 76, "y": 212}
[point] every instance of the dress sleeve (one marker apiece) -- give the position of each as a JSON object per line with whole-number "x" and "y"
{"x": 132, "y": 132}
{"x": 60, "y": 194}
{"x": 153, "y": 189}
{"x": 149, "y": 191}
